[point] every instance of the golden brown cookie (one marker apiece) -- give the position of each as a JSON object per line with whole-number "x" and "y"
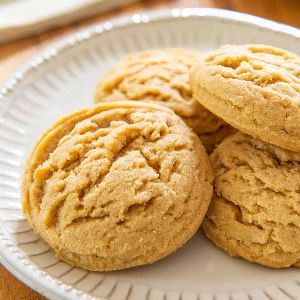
{"x": 161, "y": 77}
{"x": 255, "y": 212}
{"x": 117, "y": 185}
{"x": 255, "y": 88}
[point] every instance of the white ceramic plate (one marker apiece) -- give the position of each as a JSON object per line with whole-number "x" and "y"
{"x": 63, "y": 79}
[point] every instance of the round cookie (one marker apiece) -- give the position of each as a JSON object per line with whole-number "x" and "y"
{"x": 161, "y": 77}
{"x": 255, "y": 211}
{"x": 117, "y": 185}
{"x": 254, "y": 88}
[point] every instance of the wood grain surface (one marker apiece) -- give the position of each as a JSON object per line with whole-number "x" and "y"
{"x": 12, "y": 55}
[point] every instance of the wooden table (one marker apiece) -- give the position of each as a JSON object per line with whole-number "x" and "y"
{"x": 15, "y": 53}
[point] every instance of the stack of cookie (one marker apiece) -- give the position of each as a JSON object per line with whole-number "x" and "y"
{"x": 128, "y": 181}
{"x": 255, "y": 211}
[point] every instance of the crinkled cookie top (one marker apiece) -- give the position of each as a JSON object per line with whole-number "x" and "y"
{"x": 265, "y": 66}
{"x": 161, "y": 77}
{"x": 117, "y": 185}
{"x": 256, "y": 211}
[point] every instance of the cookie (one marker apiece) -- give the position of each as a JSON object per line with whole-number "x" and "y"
{"x": 117, "y": 185}
{"x": 255, "y": 211}
{"x": 160, "y": 77}
{"x": 254, "y": 88}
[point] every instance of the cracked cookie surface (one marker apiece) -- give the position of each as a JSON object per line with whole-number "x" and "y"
{"x": 254, "y": 88}
{"x": 117, "y": 185}
{"x": 255, "y": 211}
{"x": 161, "y": 77}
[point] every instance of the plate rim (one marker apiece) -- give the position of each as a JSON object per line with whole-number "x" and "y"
{"x": 34, "y": 279}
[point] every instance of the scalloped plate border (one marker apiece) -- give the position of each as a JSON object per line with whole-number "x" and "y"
{"x": 30, "y": 275}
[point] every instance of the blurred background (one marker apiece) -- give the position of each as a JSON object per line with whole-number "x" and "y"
{"x": 28, "y": 26}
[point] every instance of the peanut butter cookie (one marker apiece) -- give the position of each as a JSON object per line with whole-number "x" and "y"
{"x": 117, "y": 185}
{"x": 161, "y": 77}
{"x": 254, "y": 88}
{"x": 255, "y": 212}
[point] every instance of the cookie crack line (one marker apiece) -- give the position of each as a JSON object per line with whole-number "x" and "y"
{"x": 265, "y": 186}
{"x": 109, "y": 157}
{"x": 259, "y": 83}
{"x": 92, "y": 186}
